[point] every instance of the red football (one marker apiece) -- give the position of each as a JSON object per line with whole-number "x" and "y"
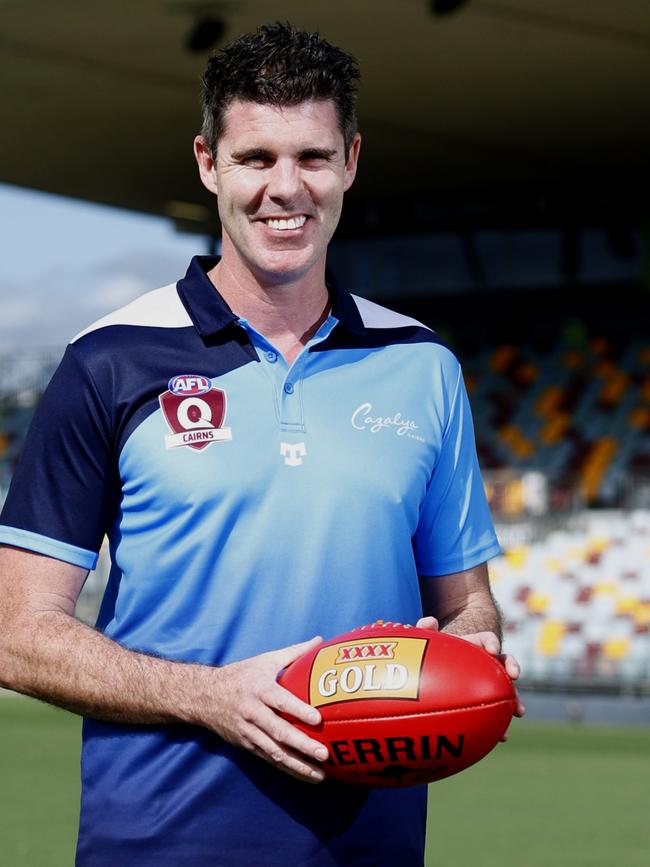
{"x": 401, "y": 705}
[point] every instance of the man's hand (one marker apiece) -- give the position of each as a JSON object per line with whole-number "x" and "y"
{"x": 248, "y": 698}
{"x": 489, "y": 642}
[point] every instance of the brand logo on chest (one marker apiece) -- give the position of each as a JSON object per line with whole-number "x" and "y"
{"x": 195, "y": 411}
{"x": 364, "y": 419}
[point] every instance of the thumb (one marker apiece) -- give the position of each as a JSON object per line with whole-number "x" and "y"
{"x": 286, "y": 655}
{"x": 427, "y": 623}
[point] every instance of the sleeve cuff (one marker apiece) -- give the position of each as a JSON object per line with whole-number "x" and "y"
{"x": 50, "y": 547}
{"x": 460, "y": 564}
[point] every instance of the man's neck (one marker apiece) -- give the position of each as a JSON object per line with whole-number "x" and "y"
{"x": 287, "y": 314}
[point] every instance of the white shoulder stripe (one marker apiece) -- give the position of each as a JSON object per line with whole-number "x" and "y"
{"x": 376, "y": 316}
{"x": 161, "y": 308}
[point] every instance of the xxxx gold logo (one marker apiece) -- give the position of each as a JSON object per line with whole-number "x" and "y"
{"x": 368, "y": 669}
{"x": 364, "y": 651}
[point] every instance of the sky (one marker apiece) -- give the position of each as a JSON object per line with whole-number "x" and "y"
{"x": 65, "y": 263}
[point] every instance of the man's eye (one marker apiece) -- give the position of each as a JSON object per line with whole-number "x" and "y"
{"x": 315, "y": 159}
{"x": 257, "y": 162}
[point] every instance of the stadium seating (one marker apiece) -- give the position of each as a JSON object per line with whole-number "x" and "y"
{"x": 577, "y": 604}
{"x": 580, "y": 413}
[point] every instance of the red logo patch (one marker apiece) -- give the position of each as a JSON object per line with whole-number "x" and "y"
{"x": 195, "y": 412}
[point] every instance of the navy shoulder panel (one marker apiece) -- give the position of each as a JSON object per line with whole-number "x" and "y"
{"x": 66, "y": 485}
{"x": 131, "y": 365}
{"x": 374, "y": 326}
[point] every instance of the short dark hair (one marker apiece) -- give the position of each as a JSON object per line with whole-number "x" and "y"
{"x": 279, "y": 65}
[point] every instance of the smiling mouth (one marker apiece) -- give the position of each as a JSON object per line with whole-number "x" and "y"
{"x": 284, "y": 224}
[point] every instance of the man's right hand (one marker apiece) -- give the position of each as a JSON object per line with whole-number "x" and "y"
{"x": 248, "y": 699}
{"x": 47, "y": 653}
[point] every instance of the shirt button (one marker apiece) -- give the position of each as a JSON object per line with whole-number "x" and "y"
{"x": 288, "y": 387}
{"x": 271, "y": 356}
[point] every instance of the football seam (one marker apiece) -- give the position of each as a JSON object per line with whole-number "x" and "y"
{"x": 419, "y": 713}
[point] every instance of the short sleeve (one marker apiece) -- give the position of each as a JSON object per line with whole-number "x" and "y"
{"x": 455, "y": 530}
{"x": 61, "y": 500}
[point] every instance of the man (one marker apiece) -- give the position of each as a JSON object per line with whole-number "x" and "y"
{"x": 272, "y": 460}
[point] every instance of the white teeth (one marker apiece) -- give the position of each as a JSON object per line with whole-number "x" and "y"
{"x": 291, "y": 223}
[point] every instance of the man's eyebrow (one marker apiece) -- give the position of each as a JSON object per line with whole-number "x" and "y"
{"x": 251, "y": 153}
{"x": 262, "y": 153}
{"x": 322, "y": 153}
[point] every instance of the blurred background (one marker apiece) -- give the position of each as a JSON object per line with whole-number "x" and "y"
{"x": 502, "y": 199}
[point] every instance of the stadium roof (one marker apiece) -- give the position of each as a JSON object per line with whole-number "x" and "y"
{"x": 524, "y": 104}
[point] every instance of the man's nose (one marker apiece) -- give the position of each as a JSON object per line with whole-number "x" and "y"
{"x": 284, "y": 180}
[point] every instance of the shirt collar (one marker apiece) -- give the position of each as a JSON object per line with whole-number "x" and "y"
{"x": 210, "y": 313}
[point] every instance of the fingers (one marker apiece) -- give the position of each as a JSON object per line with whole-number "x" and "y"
{"x": 283, "y": 700}
{"x": 487, "y": 640}
{"x": 490, "y": 642}
{"x": 428, "y": 623}
{"x": 286, "y": 655}
{"x": 286, "y": 702}
{"x": 246, "y": 712}
{"x": 285, "y": 746}
{"x": 512, "y": 667}
{"x": 286, "y": 760}
{"x": 521, "y": 708}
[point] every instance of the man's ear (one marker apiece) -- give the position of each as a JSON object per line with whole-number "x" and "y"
{"x": 206, "y": 164}
{"x": 351, "y": 164}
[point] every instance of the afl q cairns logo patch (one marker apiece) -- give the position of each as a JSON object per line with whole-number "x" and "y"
{"x": 374, "y": 668}
{"x": 195, "y": 411}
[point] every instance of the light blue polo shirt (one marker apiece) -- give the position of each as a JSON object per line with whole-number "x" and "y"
{"x": 249, "y": 505}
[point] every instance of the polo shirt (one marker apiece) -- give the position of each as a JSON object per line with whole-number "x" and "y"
{"x": 249, "y": 504}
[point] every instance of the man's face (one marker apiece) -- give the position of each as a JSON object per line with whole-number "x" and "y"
{"x": 279, "y": 176}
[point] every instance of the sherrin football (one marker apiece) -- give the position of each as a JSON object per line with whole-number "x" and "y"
{"x": 402, "y": 705}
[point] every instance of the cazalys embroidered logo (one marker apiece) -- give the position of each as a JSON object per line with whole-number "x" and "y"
{"x": 195, "y": 411}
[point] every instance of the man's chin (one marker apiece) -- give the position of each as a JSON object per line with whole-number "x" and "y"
{"x": 285, "y": 266}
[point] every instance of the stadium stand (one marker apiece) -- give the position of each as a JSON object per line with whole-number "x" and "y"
{"x": 579, "y": 415}
{"x": 576, "y": 604}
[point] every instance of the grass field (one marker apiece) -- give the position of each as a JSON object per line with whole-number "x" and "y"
{"x": 553, "y": 796}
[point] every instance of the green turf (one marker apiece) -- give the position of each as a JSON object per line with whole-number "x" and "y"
{"x": 39, "y": 788}
{"x": 553, "y": 796}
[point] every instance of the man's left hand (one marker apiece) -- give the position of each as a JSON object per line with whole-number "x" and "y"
{"x": 489, "y": 642}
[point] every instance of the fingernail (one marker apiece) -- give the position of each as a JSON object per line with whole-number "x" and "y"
{"x": 321, "y": 754}
{"x": 319, "y": 776}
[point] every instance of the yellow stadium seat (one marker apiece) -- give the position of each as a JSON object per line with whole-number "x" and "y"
{"x": 573, "y": 359}
{"x": 600, "y": 345}
{"x": 549, "y": 400}
{"x": 642, "y": 614}
{"x": 550, "y": 637}
{"x": 502, "y": 357}
{"x": 626, "y": 605}
{"x": 526, "y": 373}
{"x": 616, "y": 648}
{"x": 555, "y": 428}
{"x": 595, "y": 466}
{"x": 639, "y": 417}
{"x": 517, "y": 557}
{"x": 614, "y": 388}
{"x": 470, "y": 382}
{"x": 599, "y": 544}
{"x": 538, "y": 602}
